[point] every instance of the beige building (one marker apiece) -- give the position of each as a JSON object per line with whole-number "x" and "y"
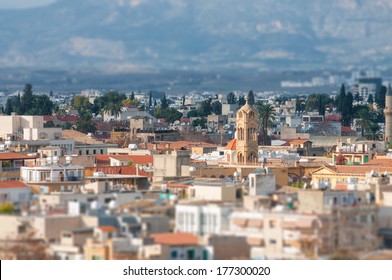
{"x": 26, "y": 128}
{"x": 170, "y": 165}
{"x": 215, "y": 190}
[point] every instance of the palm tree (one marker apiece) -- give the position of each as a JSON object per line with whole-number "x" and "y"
{"x": 374, "y": 131}
{"x": 267, "y": 117}
{"x": 363, "y": 120}
{"x": 113, "y": 108}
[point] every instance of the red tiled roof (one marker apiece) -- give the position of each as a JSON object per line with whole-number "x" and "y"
{"x": 104, "y": 126}
{"x": 12, "y": 184}
{"x": 332, "y": 118}
{"x": 185, "y": 120}
{"x": 346, "y": 129}
{"x": 232, "y": 145}
{"x": 48, "y": 118}
{"x": 107, "y": 228}
{"x": 136, "y": 159}
{"x": 387, "y": 162}
{"x": 357, "y": 169}
{"x": 175, "y": 239}
{"x": 12, "y": 156}
{"x": 102, "y": 159}
{"x": 68, "y": 118}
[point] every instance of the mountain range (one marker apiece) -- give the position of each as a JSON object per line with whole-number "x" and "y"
{"x": 148, "y": 36}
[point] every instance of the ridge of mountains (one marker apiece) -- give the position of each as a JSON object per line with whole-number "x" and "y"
{"x": 148, "y": 36}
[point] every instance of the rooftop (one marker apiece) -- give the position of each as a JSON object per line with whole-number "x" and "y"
{"x": 12, "y": 184}
{"x": 13, "y": 156}
{"x": 80, "y": 137}
{"x": 175, "y": 239}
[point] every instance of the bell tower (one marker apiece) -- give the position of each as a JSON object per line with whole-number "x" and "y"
{"x": 388, "y": 115}
{"x": 246, "y": 135}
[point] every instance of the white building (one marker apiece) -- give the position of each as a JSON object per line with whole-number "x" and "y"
{"x": 49, "y": 176}
{"x": 202, "y": 219}
{"x": 261, "y": 183}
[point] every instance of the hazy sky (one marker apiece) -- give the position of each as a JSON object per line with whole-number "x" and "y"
{"x": 20, "y": 4}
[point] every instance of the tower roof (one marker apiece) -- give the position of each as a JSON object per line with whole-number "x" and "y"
{"x": 389, "y": 90}
{"x": 247, "y": 106}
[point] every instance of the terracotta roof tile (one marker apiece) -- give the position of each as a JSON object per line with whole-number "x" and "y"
{"x": 175, "y": 239}
{"x": 11, "y": 156}
{"x": 107, "y": 228}
{"x": 12, "y": 184}
{"x": 232, "y": 145}
{"x": 136, "y": 159}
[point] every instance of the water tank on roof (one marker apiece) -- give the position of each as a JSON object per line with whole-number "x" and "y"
{"x": 68, "y": 159}
{"x": 99, "y": 174}
{"x": 132, "y": 146}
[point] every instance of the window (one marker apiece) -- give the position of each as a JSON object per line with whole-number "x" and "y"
{"x": 272, "y": 241}
{"x": 272, "y": 223}
{"x": 174, "y": 254}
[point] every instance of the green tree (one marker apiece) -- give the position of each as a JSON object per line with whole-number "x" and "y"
{"x": 193, "y": 114}
{"x": 169, "y": 114}
{"x": 341, "y": 99}
{"x": 231, "y": 99}
{"x": 251, "y": 98}
{"x": 370, "y": 99}
{"x": 150, "y": 100}
{"x": 132, "y": 97}
{"x": 85, "y": 123}
{"x": 300, "y": 105}
{"x": 216, "y": 107}
{"x": 202, "y": 122}
{"x": 27, "y": 99}
{"x": 363, "y": 120}
{"x": 380, "y": 97}
{"x": 267, "y": 117}
{"x": 312, "y": 102}
{"x": 321, "y": 105}
{"x": 347, "y": 110}
{"x": 8, "y": 107}
{"x": 183, "y": 100}
{"x": 374, "y": 132}
{"x": 205, "y": 108}
{"x": 113, "y": 102}
{"x": 241, "y": 101}
{"x": 81, "y": 103}
{"x": 164, "y": 102}
{"x": 357, "y": 98}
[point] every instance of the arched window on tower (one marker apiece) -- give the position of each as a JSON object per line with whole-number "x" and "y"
{"x": 252, "y": 115}
{"x": 240, "y": 115}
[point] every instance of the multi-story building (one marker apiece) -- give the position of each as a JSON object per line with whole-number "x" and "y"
{"x": 202, "y": 218}
{"x": 49, "y": 176}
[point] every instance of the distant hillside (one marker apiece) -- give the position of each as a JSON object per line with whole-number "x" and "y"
{"x": 148, "y": 35}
